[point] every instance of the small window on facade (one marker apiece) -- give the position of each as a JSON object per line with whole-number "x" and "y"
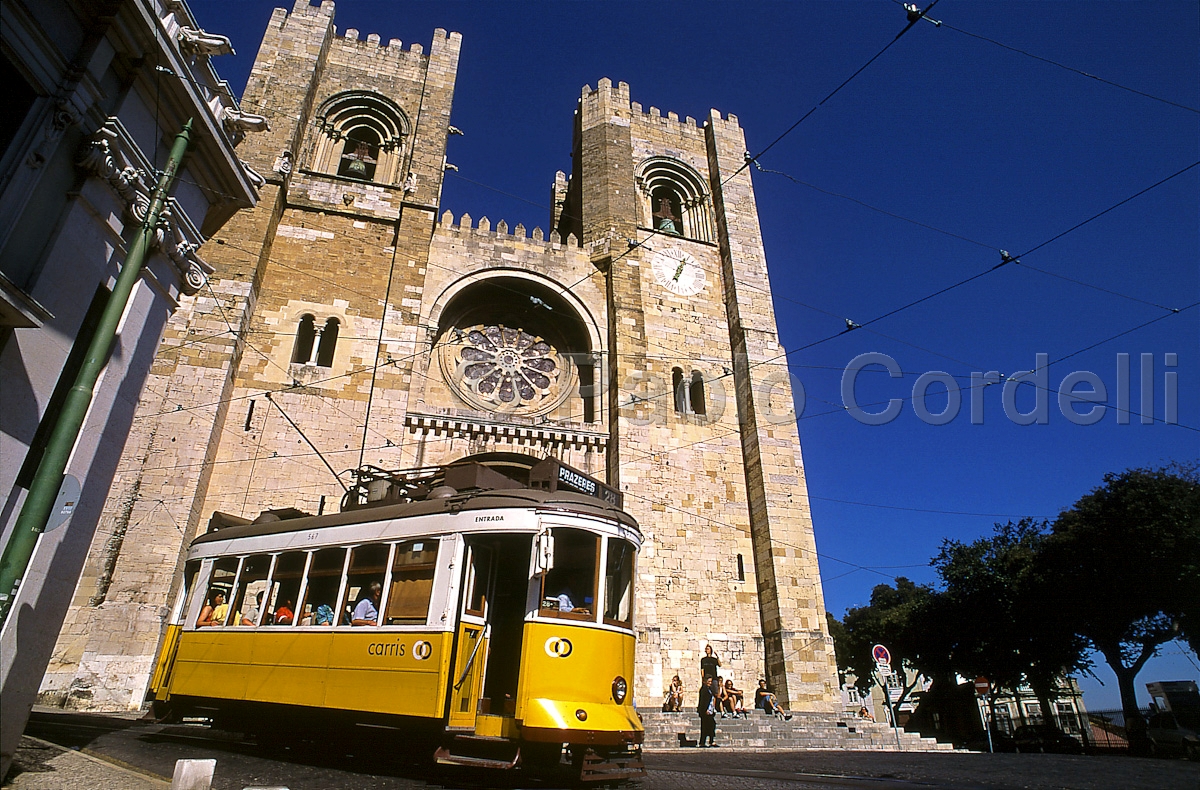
{"x": 329, "y": 337}
{"x": 251, "y": 591}
{"x": 306, "y": 333}
{"x": 680, "y": 391}
{"x": 696, "y": 393}
{"x": 323, "y": 583}
{"x": 364, "y": 584}
{"x": 618, "y": 583}
{"x": 741, "y": 568}
{"x": 412, "y": 582}
{"x": 285, "y": 588}
{"x": 569, "y": 589}
{"x": 587, "y": 389}
{"x": 360, "y": 154}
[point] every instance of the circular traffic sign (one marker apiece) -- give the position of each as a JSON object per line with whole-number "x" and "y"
{"x": 982, "y": 685}
{"x": 881, "y": 655}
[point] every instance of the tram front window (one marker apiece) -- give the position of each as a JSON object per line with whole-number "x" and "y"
{"x": 324, "y": 581}
{"x": 569, "y": 588}
{"x": 618, "y": 583}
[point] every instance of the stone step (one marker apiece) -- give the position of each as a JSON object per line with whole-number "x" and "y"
{"x": 802, "y": 731}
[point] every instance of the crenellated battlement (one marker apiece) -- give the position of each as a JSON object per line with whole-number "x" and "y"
{"x": 617, "y": 98}
{"x": 395, "y": 46}
{"x": 467, "y": 224}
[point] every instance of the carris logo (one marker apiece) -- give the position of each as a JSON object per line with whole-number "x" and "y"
{"x": 558, "y": 647}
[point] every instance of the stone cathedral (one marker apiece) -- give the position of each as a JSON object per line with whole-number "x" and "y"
{"x": 633, "y": 339}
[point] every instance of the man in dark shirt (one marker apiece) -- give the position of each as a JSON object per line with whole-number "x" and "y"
{"x": 709, "y": 664}
{"x": 707, "y": 708}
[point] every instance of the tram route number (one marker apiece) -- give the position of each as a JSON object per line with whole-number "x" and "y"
{"x": 421, "y": 649}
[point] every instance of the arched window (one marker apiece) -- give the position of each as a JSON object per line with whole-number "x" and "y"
{"x": 360, "y": 155}
{"x": 680, "y": 391}
{"x": 361, "y": 135}
{"x": 329, "y": 336}
{"x": 305, "y": 335}
{"x": 674, "y": 199}
{"x": 696, "y": 393}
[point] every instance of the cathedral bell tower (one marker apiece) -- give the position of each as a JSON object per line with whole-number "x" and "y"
{"x": 703, "y": 438}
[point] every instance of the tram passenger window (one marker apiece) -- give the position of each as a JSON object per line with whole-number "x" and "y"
{"x": 412, "y": 582}
{"x": 285, "y": 588}
{"x": 367, "y": 565}
{"x": 220, "y": 584}
{"x": 251, "y": 590}
{"x": 569, "y": 589}
{"x": 618, "y": 583}
{"x": 324, "y": 581}
{"x": 478, "y": 579}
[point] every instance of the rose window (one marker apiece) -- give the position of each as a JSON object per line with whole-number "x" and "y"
{"x": 506, "y": 366}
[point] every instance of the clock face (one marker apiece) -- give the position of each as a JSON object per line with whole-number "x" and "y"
{"x": 677, "y": 271}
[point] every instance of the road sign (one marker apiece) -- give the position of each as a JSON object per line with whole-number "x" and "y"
{"x": 894, "y": 693}
{"x": 982, "y": 685}
{"x": 881, "y": 654}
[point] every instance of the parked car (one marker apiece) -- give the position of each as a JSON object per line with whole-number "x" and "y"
{"x": 1001, "y": 742}
{"x": 1045, "y": 738}
{"x": 1167, "y": 737}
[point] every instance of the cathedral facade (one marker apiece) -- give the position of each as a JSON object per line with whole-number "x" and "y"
{"x": 350, "y": 322}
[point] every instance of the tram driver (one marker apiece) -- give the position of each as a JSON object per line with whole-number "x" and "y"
{"x": 366, "y": 611}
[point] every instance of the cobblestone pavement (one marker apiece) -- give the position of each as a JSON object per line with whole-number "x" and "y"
{"x": 115, "y": 754}
{"x": 681, "y": 768}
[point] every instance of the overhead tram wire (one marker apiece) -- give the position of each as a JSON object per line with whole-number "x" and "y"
{"x": 914, "y": 17}
{"x": 1005, "y": 260}
{"x": 1072, "y": 69}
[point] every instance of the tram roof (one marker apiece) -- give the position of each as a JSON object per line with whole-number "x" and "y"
{"x": 484, "y": 500}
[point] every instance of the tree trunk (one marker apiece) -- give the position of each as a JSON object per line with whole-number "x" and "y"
{"x": 1135, "y": 725}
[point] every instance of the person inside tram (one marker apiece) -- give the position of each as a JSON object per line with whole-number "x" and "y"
{"x": 283, "y": 613}
{"x": 366, "y": 611}
{"x": 215, "y": 598}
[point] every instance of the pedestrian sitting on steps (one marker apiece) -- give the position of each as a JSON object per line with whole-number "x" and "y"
{"x": 673, "y": 699}
{"x": 765, "y": 700}
{"x": 733, "y": 701}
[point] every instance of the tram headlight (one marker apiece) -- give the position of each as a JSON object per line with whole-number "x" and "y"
{"x": 619, "y": 688}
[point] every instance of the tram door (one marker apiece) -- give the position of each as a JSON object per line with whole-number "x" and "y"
{"x": 473, "y": 632}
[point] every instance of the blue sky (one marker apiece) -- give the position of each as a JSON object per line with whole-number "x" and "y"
{"x": 985, "y": 147}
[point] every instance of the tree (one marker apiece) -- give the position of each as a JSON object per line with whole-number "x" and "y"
{"x": 1124, "y": 562}
{"x": 994, "y": 605}
{"x": 900, "y": 618}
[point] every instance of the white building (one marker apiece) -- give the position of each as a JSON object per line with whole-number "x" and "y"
{"x": 95, "y": 91}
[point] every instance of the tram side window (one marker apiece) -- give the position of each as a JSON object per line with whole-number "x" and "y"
{"x": 220, "y": 584}
{"x": 251, "y": 592}
{"x": 324, "y": 580}
{"x": 618, "y": 583}
{"x": 412, "y": 582}
{"x": 285, "y": 589}
{"x": 367, "y": 567}
{"x": 189, "y": 589}
{"x": 569, "y": 589}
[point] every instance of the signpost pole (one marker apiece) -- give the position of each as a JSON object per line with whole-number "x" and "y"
{"x": 982, "y": 688}
{"x": 883, "y": 667}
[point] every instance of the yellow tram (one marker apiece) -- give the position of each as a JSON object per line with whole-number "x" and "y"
{"x": 497, "y": 628}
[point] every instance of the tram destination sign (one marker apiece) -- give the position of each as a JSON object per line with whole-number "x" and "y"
{"x": 553, "y": 475}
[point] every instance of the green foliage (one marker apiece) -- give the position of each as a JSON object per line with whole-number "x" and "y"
{"x": 1125, "y": 562}
{"x": 901, "y": 618}
{"x": 996, "y": 607}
